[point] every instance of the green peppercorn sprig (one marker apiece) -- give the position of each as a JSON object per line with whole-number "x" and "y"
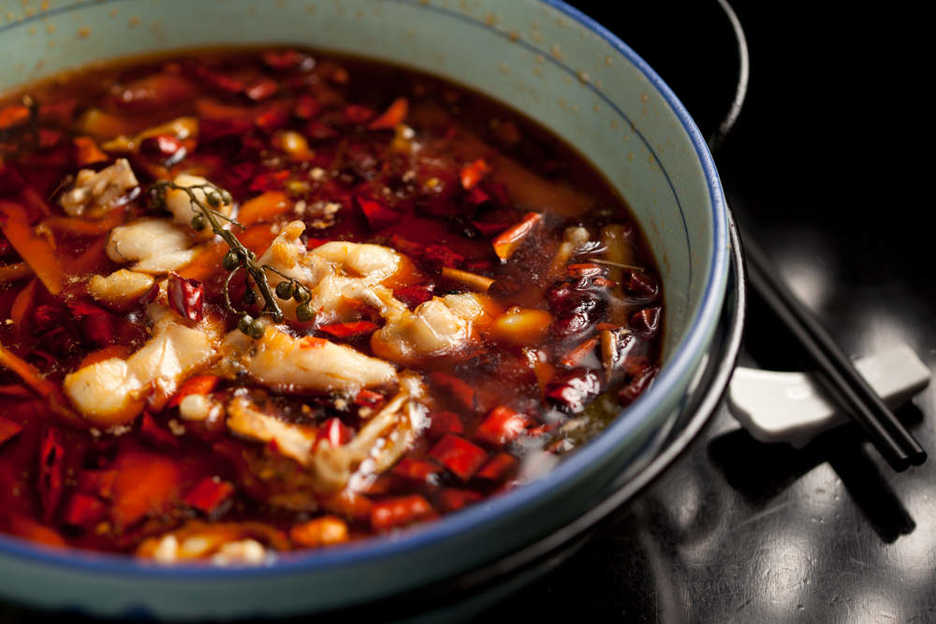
{"x": 238, "y": 258}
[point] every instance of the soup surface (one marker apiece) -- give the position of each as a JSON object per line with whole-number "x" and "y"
{"x": 268, "y": 300}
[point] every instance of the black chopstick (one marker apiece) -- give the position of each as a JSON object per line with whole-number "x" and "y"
{"x": 835, "y": 371}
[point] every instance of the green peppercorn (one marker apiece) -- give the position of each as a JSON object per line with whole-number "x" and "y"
{"x": 245, "y": 323}
{"x": 301, "y": 295}
{"x": 226, "y": 196}
{"x": 256, "y": 329}
{"x": 284, "y": 290}
{"x": 213, "y": 199}
{"x": 304, "y": 312}
{"x": 231, "y": 261}
{"x": 199, "y": 222}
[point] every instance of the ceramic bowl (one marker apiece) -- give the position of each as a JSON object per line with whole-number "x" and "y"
{"x": 543, "y": 58}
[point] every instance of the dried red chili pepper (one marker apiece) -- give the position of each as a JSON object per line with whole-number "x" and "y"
{"x": 452, "y": 499}
{"x": 502, "y": 425}
{"x": 378, "y": 214}
{"x": 270, "y": 181}
{"x": 307, "y": 107}
{"x": 412, "y": 296}
{"x": 462, "y": 392}
{"x": 261, "y": 89}
{"x": 336, "y": 432}
{"x": 282, "y": 60}
{"x": 459, "y": 455}
{"x": 394, "y": 115}
{"x": 369, "y": 398}
{"x": 8, "y": 429}
{"x": 442, "y": 423}
{"x": 199, "y": 384}
{"x": 498, "y": 467}
{"x": 97, "y": 482}
{"x": 636, "y": 386}
{"x": 84, "y": 511}
{"x": 209, "y": 494}
{"x": 51, "y": 471}
{"x": 168, "y": 149}
{"x": 352, "y": 329}
{"x": 356, "y": 114}
{"x": 574, "y": 390}
{"x": 472, "y": 173}
{"x": 415, "y": 469}
{"x": 646, "y": 322}
{"x": 156, "y": 434}
{"x": 186, "y": 296}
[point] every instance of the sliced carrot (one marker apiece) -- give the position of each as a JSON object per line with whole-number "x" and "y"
{"x": 13, "y": 272}
{"x": 43, "y": 387}
{"x": 86, "y": 227}
{"x": 22, "y": 304}
{"x": 394, "y": 115}
{"x": 146, "y": 483}
{"x": 8, "y": 429}
{"x": 35, "y": 250}
{"x": 13, "y": 115}
{"x": 33, "y": 531}
{"x": 199, "y": 384}
{"x": 108, "y": 352}
{"x": 87, "y": 151}
{"x": 265, "y": 207}
{"x": 32, "y": 377}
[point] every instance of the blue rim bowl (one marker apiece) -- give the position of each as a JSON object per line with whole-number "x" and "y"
{"x": 682, "y": 210}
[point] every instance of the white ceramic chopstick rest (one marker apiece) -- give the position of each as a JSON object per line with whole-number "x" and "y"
{"x": 790, "y": 407}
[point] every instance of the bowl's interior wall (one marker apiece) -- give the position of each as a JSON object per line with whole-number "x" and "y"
{"x": 584, "y": 90}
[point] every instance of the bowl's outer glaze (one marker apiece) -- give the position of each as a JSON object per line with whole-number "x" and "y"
{"x": 545, "y": 59}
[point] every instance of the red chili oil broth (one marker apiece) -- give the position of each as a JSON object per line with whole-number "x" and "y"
{"x": 65, "y": 485}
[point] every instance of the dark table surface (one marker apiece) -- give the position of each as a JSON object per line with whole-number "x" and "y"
{"x": 739, "y": 531}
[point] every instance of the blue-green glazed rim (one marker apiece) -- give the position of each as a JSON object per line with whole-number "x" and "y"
{"x": 617, "y": 445}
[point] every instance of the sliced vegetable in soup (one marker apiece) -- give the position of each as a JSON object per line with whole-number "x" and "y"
{"x": 262, "y": 301}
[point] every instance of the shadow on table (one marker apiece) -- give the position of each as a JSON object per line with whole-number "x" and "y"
{"x": 760, "y": 471}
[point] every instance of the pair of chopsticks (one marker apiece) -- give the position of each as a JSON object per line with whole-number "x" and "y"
{"x": 835, "y": 372}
